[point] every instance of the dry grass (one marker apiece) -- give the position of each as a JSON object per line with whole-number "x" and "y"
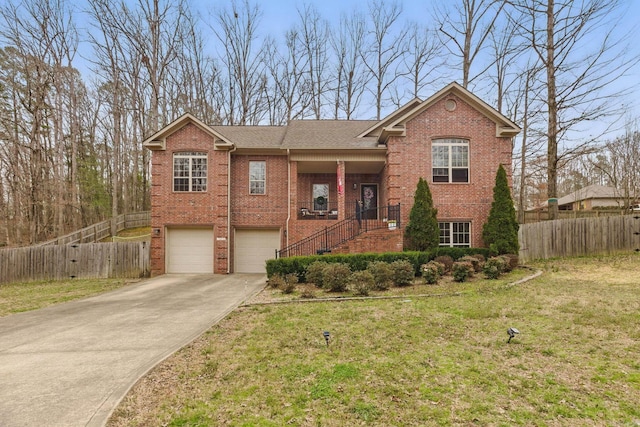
{"x": 19, "y": 297}
{"x": 417, "y": 361}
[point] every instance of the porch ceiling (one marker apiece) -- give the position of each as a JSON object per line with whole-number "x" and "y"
{"x": 351, "y": 167}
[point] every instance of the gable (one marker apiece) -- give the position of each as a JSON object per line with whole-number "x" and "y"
{"x": 395, "y": 124}
{"x": 158, "y": 141}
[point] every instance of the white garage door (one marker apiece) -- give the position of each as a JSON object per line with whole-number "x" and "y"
{"x": 190, "y": 250}
{"x": 253, "y": 248}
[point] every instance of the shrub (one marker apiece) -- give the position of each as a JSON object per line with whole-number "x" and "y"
{"x": 431, "y": 272}
{"x": 291, "y": 280}
{"x": 462, "y": 270}
{"x": 474, "y": 262}
{"x": 422, "y": 231}
{"x": 445, "y": 260}
{"x": 314, "y": 273}
{"x": 500, "y": 232}
{"x": 403, "y": 272}
{"x": 382, "y": 275}
{"x": 361, "y": 282}
{"x": 494, "y": 267}
{"x": 276, "y": 281}
{"x": 481, "y": 258}
{"x": 308, "y": 293}
{"x": 335, "y": 277}
{"x": 512, "y": 261}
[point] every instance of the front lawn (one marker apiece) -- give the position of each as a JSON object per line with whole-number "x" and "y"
{"x": 439, "y": 360}
{"x": 18, "y": 297}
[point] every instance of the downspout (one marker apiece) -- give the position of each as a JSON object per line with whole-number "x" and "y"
{"x": 286, "y": 231}
{"x": 229, "y": 208}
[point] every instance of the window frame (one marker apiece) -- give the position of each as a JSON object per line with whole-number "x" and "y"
{"x": 262, "y": 181}
{"x": 450, "y": 157}
{"x": 450, "y": 237}
{"x": 194, "y": 183}
{"x": 325, "y": 195}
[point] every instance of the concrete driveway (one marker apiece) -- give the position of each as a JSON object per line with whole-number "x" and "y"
{"x": 71, "y": 364}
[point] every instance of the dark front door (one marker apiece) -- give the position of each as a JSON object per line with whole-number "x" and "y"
{"x": 369, "y": 197}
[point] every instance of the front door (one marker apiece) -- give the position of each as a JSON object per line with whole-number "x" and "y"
{"x": 369, "y": 197}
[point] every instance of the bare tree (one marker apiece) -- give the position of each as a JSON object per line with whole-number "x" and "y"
{"x": 465, "y": 30}
{"x": 385, "y": 48}
{"x": 423, "y": 60}
{"x": 236, "y": 30}
{"x": 582, "y": 57}
{"x": 350, "y": 75}
{"x": 314, "y": 37}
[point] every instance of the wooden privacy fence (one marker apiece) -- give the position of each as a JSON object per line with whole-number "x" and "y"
{"x": 102, "y": 230}
{"x": 87, "y": 261}
{"x": 575, "y": 237}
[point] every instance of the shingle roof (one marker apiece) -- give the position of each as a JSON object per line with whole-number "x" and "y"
{"x": 301, "y": 134}
{"x": 590, "y": 192}
{"x": 253, "y": 136}
{"x": 334, "y": 134}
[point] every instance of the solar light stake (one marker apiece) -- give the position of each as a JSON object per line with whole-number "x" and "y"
{"x": 512, "y": 333}
{"x": 326, "y": 337}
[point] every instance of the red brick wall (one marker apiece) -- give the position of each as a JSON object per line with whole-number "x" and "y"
{"x": 169, "y": 208}
{"x": 409, "y": 158}
{"x": 256, "y": 210}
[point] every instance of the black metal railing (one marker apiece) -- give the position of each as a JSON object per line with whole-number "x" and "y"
{"x": 330, "y": 237}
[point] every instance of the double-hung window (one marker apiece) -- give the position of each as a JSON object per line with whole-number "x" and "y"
{"x": 455, "y": 234}
{"x": 257, "y": 177}
{"x": 450, "y": 160}
{"x": 190, "y": 171}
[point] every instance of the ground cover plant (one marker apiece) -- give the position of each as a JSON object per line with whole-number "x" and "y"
{"x": 18, "y": 297}
{"x": 417, "y": 360}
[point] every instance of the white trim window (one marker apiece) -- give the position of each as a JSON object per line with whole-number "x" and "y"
{"x": 320, "y": 197}
{"x": 190, "y": 171}
{"x": 257, "y": 177}
{"x": 450, "y": 160}
{"x": 455, "y": 234}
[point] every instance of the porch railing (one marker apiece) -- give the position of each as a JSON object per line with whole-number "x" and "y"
{"x": 336, "y": 234}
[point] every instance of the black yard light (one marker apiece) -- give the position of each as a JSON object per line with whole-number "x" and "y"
{"x": 326, "y": 337}
{"x": 512, "y": 333}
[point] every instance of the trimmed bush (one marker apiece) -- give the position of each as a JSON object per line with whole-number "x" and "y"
{"x": 357, "y": 262}
{"x": 462, "y": 270}
{"x": 445, "y": 260}
{"x": 512, "y": 261}
{"x": 291, "y": 280}
{"x": 276, "y": 282}
{"x": 494, "y": 267}
{"x": 431, "y": 272}
{"x": 477, "y": 267}
{"x": 382, "y": 275}
{"x": 403, "y": 273}
{"x": 335, "y": 277}
{"x": 314, "y": 273}
{"x": 361, "y": 283}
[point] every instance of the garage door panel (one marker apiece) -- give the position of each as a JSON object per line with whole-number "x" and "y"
{"x": 190, "y": 250}
{"x": 253, "y": 248}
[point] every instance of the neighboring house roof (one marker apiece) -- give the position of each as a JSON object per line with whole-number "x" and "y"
{"x": 590, "y": 192}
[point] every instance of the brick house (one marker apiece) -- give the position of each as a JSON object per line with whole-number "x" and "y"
{"x": 226, "y": 198}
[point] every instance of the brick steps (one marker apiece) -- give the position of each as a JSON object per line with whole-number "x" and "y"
{"x": 381, "y": 240}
